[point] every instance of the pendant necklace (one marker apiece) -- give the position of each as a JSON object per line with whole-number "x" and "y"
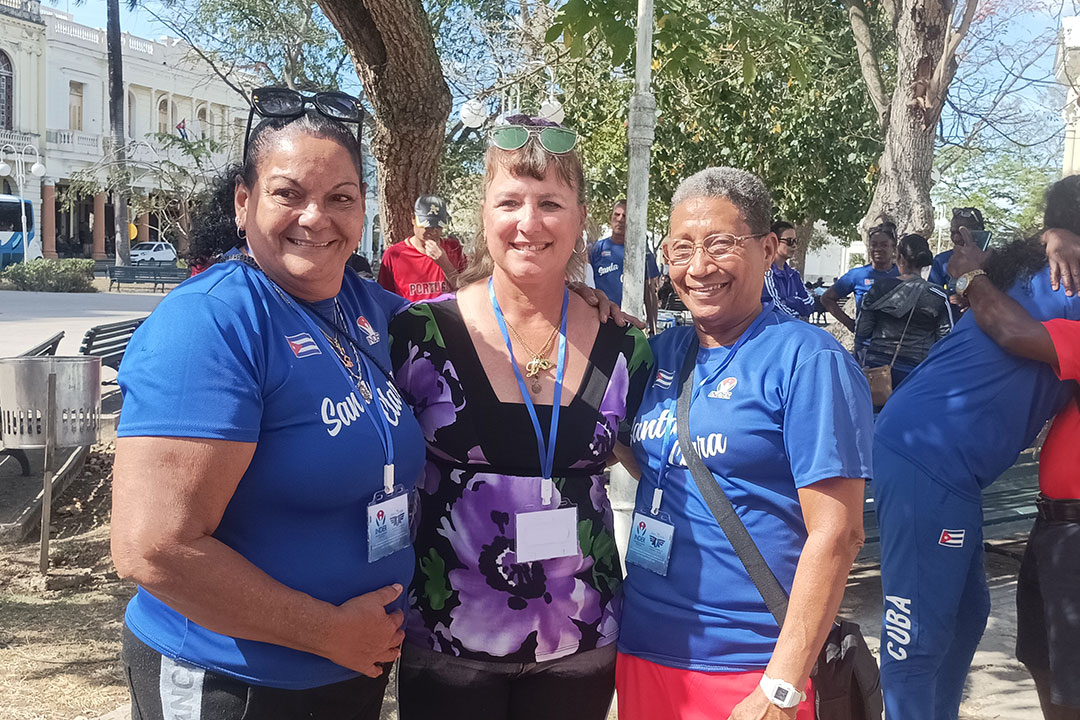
{"x": 538, "y": 360}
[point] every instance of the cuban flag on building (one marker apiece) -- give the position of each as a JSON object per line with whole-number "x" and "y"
{"x": 181, "y": 127}
{"x": 303, "y": 345}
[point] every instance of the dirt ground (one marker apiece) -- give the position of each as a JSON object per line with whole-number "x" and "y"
{"x": 59, "y": 648}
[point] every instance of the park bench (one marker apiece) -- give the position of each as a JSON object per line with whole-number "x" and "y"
{"x": 109, "y": 342}
{"x": 41, "y": 350}
{"x": 149, "y": 272}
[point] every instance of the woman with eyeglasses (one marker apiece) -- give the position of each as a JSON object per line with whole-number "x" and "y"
{"x": 520, "y": 391}
{"x": 903, "y": 317}
{"x": 779, "y": 415}
{"x": 265, "y": 460}
{"x": 783, "y": 284}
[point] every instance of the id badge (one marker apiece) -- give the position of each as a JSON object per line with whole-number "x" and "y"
{"x": 546, "y": 534}
{"x": 650, "y": 542}
{"x": 387, "y": 523}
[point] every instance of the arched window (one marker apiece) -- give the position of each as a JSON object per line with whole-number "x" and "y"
{"x": 163, "y": 125}
{"x": 204, "y": 127}
{"x": 7, "y": 83}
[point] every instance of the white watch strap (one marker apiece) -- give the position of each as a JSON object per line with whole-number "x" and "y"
{"x": 781, "y": 693}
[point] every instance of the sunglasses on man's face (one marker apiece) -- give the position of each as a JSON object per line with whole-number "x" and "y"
{"x": 790, "y": 241}
{"x": 555, "y": 140}
{"x": 276, "y": 102}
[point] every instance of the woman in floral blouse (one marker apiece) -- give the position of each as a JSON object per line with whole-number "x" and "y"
{"x": 515, "y": 602}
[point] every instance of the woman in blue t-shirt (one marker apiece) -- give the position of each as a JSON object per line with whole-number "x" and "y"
{"x": 265, "y": 460}
{"x": 780, "y": 415}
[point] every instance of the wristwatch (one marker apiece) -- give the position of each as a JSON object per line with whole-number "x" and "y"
{"x": 964, "y": 281}
{"x": 782, "y": 694}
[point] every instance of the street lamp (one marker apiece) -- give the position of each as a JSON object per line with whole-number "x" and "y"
{"x": 37, "y": 170}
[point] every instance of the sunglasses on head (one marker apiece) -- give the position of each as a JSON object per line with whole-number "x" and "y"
{"x": 886, "y": 228}
{"x": 556, "y": 140}
{"x": 277, "y": 102}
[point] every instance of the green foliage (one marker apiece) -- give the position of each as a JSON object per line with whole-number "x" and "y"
{"x": 47, "y": 275}
{"x": 856, "y": 260}
{"x": 801, "y": 120}
{"x": 263, "y": 42}
{"x": 1007, "y": 185}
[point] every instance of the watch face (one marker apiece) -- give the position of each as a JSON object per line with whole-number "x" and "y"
{"x": 781, "y": 694}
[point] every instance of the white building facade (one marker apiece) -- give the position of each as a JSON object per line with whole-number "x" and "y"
{"x": 165, "y": 86}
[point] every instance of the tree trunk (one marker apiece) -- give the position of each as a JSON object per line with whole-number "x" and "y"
{"x": 925, "y": 65}
{"x": 391, "y": 44}
{"x": 116, "y": 124}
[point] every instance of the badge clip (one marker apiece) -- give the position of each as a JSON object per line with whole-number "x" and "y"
{"x": 388, "y": 479}
{"x": 657, "y": 496}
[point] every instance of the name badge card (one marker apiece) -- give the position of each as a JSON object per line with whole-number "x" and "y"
{"x": 387, "y": 524}
{"x": 650, "y": 543}
{"x": 546, "y": 534}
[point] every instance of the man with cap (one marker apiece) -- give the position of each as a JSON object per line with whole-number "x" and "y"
{"x": 425, "y": 265}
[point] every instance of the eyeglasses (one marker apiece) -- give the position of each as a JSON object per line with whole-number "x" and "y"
{"x": 556, "y": 140}
{"x": 277, "y": 102}
{"x": 681, "y": 251}
{"x": 790, "y": 242}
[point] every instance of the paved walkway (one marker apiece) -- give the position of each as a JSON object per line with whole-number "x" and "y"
{"x": 28, "y": 318}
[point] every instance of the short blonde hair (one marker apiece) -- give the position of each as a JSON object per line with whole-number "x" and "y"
{"x": 530, "y": 160}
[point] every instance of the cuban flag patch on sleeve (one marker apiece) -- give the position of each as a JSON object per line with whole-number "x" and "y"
{"x": 952, "y": 538}
{"x": 303, "y": 345}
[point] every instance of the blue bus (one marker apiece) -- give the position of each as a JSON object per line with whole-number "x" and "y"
{"x": 12, "y": 244}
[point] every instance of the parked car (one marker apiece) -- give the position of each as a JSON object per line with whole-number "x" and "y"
{"x": 153, "y": 251}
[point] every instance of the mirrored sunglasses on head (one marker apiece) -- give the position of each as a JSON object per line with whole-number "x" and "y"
{"x": 278, "y": 102}
{"x": 556, "y": 140}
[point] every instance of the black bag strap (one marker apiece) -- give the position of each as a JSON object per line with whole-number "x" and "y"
{"x": 900, "y": 342}
{"x": 776, "y": 599}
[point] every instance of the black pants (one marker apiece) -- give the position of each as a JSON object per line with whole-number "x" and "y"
{"x": 1048, "y": 615}
{"x": 433, "y": 685}
{"x": 166, "y": 689}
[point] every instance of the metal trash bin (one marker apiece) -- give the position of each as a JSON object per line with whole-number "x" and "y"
{"x": 24, "y": 400}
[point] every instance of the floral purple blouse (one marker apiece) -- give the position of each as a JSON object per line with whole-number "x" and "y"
{"x": 470, "y": 597}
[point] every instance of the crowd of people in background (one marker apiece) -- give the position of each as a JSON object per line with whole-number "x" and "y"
{"x": 412, "y": 469}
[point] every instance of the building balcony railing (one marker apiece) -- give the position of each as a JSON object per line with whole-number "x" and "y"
{"x": 25, "y": 9}
{"x": 17, "y": 138}
{"x": 61, "y": 28}
{"x": 73, "y": 141}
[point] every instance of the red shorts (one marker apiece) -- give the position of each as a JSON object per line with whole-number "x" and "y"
{"x": 648, "y": 691}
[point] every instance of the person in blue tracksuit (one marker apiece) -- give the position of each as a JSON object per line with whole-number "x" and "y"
{"x": 957, "y": 423}
{"x": 783, "y": 284}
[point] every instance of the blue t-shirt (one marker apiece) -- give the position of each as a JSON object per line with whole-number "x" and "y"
{"x": 791, "y": 409}
{"x": 606, "y": 259}
{"x": 939, "y": 274}
{"x": 970, "y": 408}
{"x": 225, "y": 357}
{"x": 859, "y": 280}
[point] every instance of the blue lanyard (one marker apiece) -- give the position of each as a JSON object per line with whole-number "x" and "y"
{"x": 547, "y": 450}
{"x": 375, "y": 413}
{"x": 667, "y": 443}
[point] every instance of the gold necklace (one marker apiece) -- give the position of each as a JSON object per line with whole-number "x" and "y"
{"x": 350, "y": 366}
{"x": 538, "y": 361}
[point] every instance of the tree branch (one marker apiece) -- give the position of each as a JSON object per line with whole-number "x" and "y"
{"x": 946, "y": 65}
{"x": 868, "y": 60}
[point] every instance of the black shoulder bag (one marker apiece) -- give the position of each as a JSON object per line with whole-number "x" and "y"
{"x": 847, "y": 683}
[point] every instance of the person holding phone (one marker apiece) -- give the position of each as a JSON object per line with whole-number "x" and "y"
{"x": 962, "y": 217}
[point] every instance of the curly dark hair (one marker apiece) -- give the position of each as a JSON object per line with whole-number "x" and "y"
{"x": 1021, "y": 259}
{"x": 213, "y": 225}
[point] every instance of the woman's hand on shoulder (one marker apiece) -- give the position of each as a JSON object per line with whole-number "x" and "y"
{"x": 605, "y": 308}
{"x": 1063, "y": 252}
{"x": 363, "y": 633}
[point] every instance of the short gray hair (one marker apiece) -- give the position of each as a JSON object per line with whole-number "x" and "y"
{"x": 745, "y": 190}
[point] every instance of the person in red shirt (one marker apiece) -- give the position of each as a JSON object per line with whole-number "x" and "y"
{"x": 1048, "y": 587}
{"x": 425, "y": 265}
